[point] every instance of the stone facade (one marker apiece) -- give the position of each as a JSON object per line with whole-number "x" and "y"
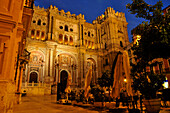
{"x": 12, "y": 32}
{"x": 63, "y": 43}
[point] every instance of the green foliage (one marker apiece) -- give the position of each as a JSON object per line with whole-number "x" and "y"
{"x": 105, "y": 80}
{"x": 155, "y": 34}
{"x": 154, "y": 43}
{"x": 80, "y": 96}
{"x": 98, "y": 93}
{"x": 148, "y": 84}
{"x": 72, "y": 95}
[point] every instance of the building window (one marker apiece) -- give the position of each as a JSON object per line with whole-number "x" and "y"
{"x": 89, "y": 44}
{"x": 66, "y": 28}
{"x": 34, "y": 21}
{"x": 71, "y": 30}
{"x": 44, "y": 24}
{"x": 38, "y": 35}
{"x": 32, "y": 33}
{"x": 61, "y": 27}
{"x": 89, "y": 33}
{"x": 85, "y": 33}
{"x": 85, "y": 43}
{"x": 42, "y": 36}
{"x": 65, "y": 40}
{"x": 71, "y": 40}
{"x": 92, "y": 45}
{"x": 121, "y": 44}
{"x": 39, "y": 22}
{"x": 60, "y": 38}
{"x": 105, "y": 46}
{"x": 107, "y": 63}
{"x": 169, "y": 62}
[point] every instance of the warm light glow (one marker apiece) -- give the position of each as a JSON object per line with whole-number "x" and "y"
{"x": 125, "y": 80}
{"x": 138, "y": 36}
{"x": 89, "y": 44}
{"x": 165, "y": 84}
{"x": 60, "y": 38}
{"x": 92, "y": 45}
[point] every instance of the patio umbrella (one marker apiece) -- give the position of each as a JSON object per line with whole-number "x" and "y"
{"x": 87, "y": 81}
{"x": 117, "y": 75}
{"x": 126, "y": 66}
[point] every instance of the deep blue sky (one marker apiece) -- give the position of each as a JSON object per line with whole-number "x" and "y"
{"x": 94, "y": 8}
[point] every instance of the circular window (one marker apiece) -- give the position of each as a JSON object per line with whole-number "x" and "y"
{"x": 71, "y": 30}
{"x": 61, "y": 27}
{"x": 44, "y": 23}
{"x": 85, "y": 33}
{"x": 34, "y": 21}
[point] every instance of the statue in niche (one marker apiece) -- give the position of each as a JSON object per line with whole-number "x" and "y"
{"x": 35, "y": 58}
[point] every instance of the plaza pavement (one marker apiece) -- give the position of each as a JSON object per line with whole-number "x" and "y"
{"x": 47, "y": 104}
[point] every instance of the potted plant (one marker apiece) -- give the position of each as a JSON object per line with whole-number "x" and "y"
{"x": 80, "y": 99}
{"x": 106, "y": 81}
{"x": 98, "y": 94}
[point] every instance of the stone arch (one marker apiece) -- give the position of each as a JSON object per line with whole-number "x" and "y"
{"x": 38, "y": 52}
{"x": 92, "y": 62}
{"x": 73, "y": 56}
{"x": 63, "y": 79}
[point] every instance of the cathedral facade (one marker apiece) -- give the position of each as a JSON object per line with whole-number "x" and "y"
{"x": 63, "y": 44}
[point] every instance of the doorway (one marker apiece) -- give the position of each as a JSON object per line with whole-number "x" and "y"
{"x": 33, "y": 77}
{"x": 63, "y": 80}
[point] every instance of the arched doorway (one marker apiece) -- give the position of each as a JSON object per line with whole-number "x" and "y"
{"x": 33, "y": 77}
{"x": 63, "y": 80}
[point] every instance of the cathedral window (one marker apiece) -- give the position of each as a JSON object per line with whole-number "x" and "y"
{"x": 66, "y": 28}
{"x": 66, "y": 39}
{"x": 121, "y": 44}
{"x": 32, "y": 33}
{"x": 39, "y": 22}
{"x": 86, "y": 43}
{"x": 107, "y": 63}
{"x": 38, "y": 35}
{"x": 92, "y": 45}
{"x": 85, "y": 33}
{"x": 71, "y": 30}
{"x": 34, "y": 21}
{"x": 60, "y": 38}
{"x": 89, "y": 33}
{"x": 92, "y": 35}
{"x": 71, "y": 40}
{"x": 61, "y": 27}
{"x": 42, "y": 36}
{"x": 89, "y": 44}
{"x": 44, "y": 24}
{"x": 105, "y": 46}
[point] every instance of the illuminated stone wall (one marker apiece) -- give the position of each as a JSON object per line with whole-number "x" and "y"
{"x": 67, "y": 42}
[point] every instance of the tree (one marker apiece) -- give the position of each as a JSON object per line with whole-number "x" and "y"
{"x": 106, "y": 81}
{"x": 154, "y": 43}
